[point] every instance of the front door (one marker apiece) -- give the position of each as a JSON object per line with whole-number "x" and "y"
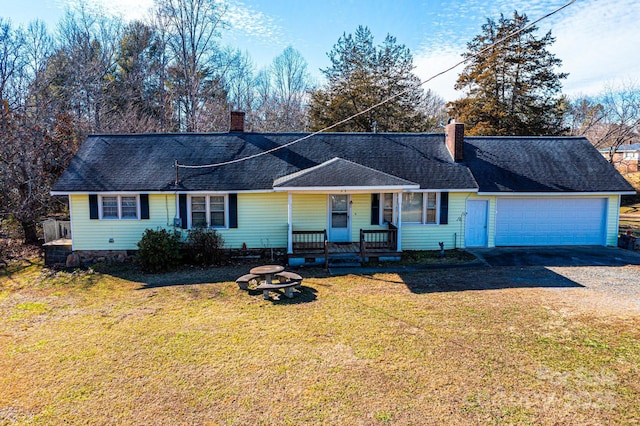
{"x": 339, "y": 218}
{"x": 476, "y": 223}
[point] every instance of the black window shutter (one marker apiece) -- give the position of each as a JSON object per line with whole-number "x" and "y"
{"x": 444, "y": 208}
{"x": 375, "y": 209}
{"x": 93, "y": 206}
{"x": 182, "y": 206}
{"x": 144, "y": 206}
{"x": 233, "y": 210}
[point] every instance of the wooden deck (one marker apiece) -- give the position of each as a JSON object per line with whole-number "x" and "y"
{"x": 339, "y": 248}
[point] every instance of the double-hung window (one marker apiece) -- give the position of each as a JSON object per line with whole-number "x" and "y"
{"x": 209, "y": 211}
{"x": 420, "y": 207}
{"x": 387, "y": 208}
{"x": 119, "y": 207}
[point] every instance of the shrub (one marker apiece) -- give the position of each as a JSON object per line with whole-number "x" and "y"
{"x": 204, "y": 246}
{"x": 159, "y": 250}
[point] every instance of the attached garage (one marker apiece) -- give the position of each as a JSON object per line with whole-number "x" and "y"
{"x": 538, "y": 221}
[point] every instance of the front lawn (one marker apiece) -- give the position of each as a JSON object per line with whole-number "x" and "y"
{"x": 119, "y": 347}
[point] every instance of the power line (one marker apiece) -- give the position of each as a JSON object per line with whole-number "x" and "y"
{"x": 384, "y": 101}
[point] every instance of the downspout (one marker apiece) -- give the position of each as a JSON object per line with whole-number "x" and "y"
{"x": 399, "y": 245}
{"x": 606, "y": 236}
{"x": 289, "y": 223}
{"x": 71, "y": 223}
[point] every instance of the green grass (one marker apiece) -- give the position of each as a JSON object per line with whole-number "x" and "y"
{"x": 118, "y": 347}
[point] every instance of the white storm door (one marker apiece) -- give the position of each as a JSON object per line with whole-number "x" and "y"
{"x": 476, "y": 223}
{"x": 339, "y": 218}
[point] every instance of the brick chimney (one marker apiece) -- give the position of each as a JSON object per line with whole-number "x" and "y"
{"x": 237, "y": 122}
{"x": 455, "y": 140}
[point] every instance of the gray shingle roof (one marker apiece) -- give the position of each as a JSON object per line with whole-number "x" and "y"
{"x": 339, "y": 172}
{"x": 540, "y": 164}
{"x": 145, "y": 162}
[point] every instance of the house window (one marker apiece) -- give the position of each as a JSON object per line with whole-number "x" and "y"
{"x": 209, "y": 211}
{"x": 420, "y": 207}
{"x": 387, "y": 208}
{"x": 216, "y": 211}
{"x": 630, "y": 156}
{"x": 129, "y": 206}
{"x": 431, "y": 207}
{"x": 119, "y": 207}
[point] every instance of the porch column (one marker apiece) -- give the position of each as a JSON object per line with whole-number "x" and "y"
{"x": 290, "y": 223}
{"x": 399, "y": 221}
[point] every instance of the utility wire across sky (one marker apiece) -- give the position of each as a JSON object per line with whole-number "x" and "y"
{"x": 384, "y": 101}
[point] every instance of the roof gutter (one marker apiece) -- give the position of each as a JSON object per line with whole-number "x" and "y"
{"x": 554, "y": 194}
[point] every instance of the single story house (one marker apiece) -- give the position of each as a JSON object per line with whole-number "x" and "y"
{"x": 387, "y": 191}
{"x": 626, "y": 158}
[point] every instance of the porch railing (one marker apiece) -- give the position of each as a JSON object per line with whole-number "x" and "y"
{"x": 378, "y": 239}
{"x": 311, "y": 242}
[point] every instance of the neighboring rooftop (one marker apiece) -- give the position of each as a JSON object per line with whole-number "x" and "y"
{"x": 623, "y": 148}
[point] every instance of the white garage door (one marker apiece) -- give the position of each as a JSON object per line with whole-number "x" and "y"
{"x": 550, "y": 221}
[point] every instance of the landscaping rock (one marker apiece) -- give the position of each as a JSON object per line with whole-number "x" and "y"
{"x": 73, "y": 261}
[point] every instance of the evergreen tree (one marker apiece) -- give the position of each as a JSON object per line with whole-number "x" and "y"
{"x": 362, "y": 75}
{"x": 512, "y": 88}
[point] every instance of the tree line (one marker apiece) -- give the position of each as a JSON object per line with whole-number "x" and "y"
{"x": 170, "y": 73}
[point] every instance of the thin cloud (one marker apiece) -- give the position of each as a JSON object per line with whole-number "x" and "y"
{"x": 430, "y": 62}
{"x": 594, "y": 39}
{"x": 252, "y": 23}
{"x": 598, "y": 45}
{"x": 126, "y": 9}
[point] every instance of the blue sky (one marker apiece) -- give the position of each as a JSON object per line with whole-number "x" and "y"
{"x": 596, "y": 39}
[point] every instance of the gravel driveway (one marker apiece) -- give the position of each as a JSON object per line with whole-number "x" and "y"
{"x": 596, "y": 279}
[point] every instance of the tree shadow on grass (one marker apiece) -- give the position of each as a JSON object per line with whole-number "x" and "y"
{"x": 304, "y": 294}
{"x": 198, "y": 275}
{"x": 184, "y": 276}
{"x": 455, "y": 280}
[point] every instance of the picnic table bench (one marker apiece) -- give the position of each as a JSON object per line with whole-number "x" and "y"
{"x": 243, "y": 281}
{"x": 287, "y": 286}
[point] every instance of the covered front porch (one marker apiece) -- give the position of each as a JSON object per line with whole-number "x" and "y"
{"x": 315, "y": 247}
{"x": 341, "y": 208}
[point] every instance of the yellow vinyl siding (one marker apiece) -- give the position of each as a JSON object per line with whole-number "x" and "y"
{"x": 309, "y": 212}
{"x": 361, "y": 215}
{"x": 613, "y": 211}
{"x": 93, "y": 234}
{"x": 427, "y": 237}
{"x": 262, "y": 222}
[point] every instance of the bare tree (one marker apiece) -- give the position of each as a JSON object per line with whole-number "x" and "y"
{"x": 87, "y": 53}
{"x": 39, "y": 46}
{"x": 609, "y": 120}
{"x": 193, "y": 26}
{"x": 282, "y": 93}
{"x": 11, "y": 64}
{"x": 239, "y": 80}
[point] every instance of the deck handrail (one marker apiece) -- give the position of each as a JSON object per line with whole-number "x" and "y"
{"x": 311, "y": 241}
{"x": 379, "y": 239}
